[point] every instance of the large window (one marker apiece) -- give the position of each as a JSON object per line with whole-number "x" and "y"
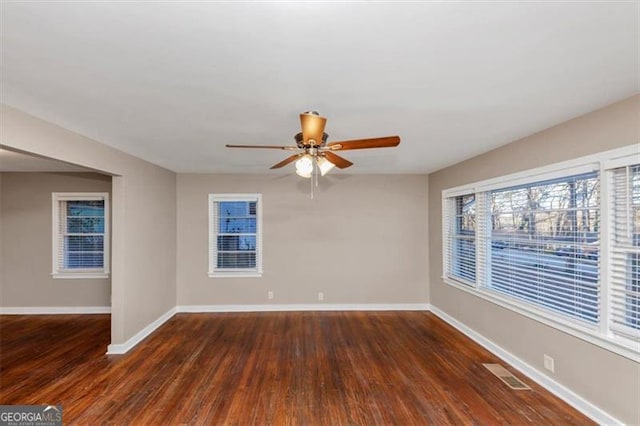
{"x": 533, "y": 242}
{"x": 235, "y": 242}
{"x": 80, "y": 235}
{"x": 545, "y": 244}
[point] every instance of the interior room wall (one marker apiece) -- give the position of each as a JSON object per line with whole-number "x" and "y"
{"x": 26, "y": 243}
{"x": 607, "y": 380}
{"x": 362, "y": 239}
{"x": 143, "y": 260}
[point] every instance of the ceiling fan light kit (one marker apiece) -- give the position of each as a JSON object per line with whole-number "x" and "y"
{"x": 314, "y": 154}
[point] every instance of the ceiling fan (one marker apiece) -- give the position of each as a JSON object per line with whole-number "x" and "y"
{"x": 313, "y": 153}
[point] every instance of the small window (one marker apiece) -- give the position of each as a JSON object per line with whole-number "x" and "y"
{"x": 235, "y": 235}
{"x": 80, "y": 235}
{"x": 461, "y": 236}
{"x": 625, "y": 252}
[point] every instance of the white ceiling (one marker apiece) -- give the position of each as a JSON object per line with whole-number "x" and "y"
{"x": 172, "y": 82}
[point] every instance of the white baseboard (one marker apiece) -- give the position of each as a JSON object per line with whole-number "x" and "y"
{"x": 118, "y": 349}
{"x": 564, "y": 393}
{"x": 54, "y": 310}
{"x": 305, "y": 307}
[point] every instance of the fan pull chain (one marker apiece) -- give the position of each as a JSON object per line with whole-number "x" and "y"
{"x": 311, "y": 182}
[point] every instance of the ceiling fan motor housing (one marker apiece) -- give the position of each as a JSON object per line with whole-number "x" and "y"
{"x": 300, "y": 140}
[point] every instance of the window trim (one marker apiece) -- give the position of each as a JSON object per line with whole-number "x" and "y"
{"x": 598, "y": 334}
{"x": 235, "y": 273}
{"x": 85, "y": 273}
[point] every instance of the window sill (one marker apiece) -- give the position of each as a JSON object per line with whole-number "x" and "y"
{"x": 79, "y": 275}
{"x": 236, "y": 274}
{"x": 625, "y": 347}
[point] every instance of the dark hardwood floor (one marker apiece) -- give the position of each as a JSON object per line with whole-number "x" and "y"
{"x": 280, "y": 368}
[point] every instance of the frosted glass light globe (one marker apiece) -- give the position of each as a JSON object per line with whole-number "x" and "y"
{"x": 304, "y": 166}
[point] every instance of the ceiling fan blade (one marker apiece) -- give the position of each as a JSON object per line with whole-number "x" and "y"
{"x": 341, "y": 163}
{"x": 312, "y": 127}
{"x": 386, "y": 142}
{"x": 287, "y": 148}
{"x": 285, "y": 161}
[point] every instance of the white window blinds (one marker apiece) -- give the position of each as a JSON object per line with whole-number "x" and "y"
{"x": 460, "y": 238}
{"x": 625, "y": 251}
{"x": 544, "y": 244}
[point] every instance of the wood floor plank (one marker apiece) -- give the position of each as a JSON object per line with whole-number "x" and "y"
{"x": 277, "y": 368}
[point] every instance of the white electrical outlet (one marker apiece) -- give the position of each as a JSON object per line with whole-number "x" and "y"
{"x": 549, "y": 363}
{"x": 321, "y": 296}
{"x": 269, "y": 295}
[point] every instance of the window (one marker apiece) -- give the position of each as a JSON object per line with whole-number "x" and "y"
{"x": 625, "y": 265}
{"x": 545, "y": 244}
{"x": 235, "y": 235}
{"x": 560, "y": 244}
{"x": 80, "y": 235}
{"x": 461, "y": 238}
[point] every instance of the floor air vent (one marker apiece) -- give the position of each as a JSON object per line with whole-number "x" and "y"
{"x": 509, "y": 379}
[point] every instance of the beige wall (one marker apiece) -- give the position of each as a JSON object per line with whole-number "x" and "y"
{"x": 362, "y": 239}
{"x": 607, "y": 380}
{"x": 143, "y": 217}
{"x": 26, "y": 243}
